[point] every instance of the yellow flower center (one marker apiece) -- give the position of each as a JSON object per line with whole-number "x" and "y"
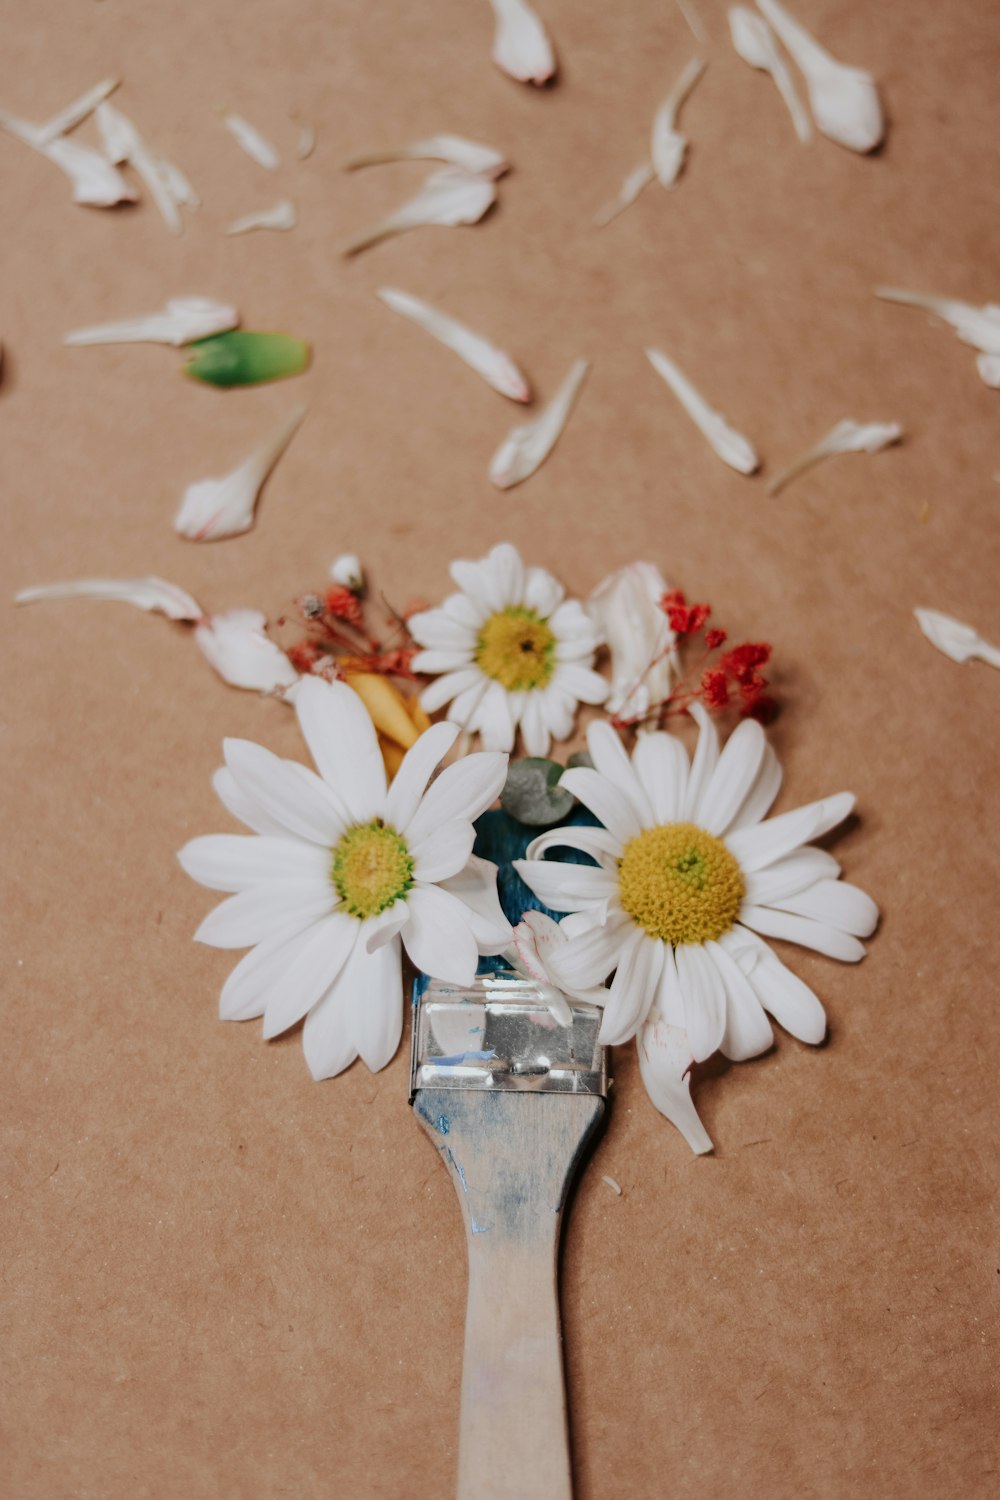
{"x": 680, "y": 884}
{"x": 517, "y": 648}
{"x": 371, "y": 868}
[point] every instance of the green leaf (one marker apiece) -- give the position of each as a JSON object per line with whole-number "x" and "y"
{"x": 243, "y": 358}
{"x": 532, "y": 794}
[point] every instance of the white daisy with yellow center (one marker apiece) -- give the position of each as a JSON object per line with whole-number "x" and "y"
{"x": 508, "y": 652}
{"x": 687, "y": 876}
{"x": 343, "y": 873}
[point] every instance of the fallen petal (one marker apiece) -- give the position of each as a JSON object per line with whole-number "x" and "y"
{"x": 694, "y": 22}
{"x": 629, "y": 191}
{"x": 977, "y": 326}
{"x": 145, "y": 593}
{"x": 183, "y": 320}
{"x": 844, "y": 100}
{"x": 123, "y": 143}
{"x": 306, "y": 144}
{"x": 754, "y": 42}
{"x": 988, "y": 366}
{"x": 526, "y": 448}
{"x": 96, "y": 182}
{"x": 216, "y": 508}
{"x": 665, "y": 1060}
{"x": 448, "y": 197}
{"x": 177, "y": 185}
{"x": 667, "y": 146}
{"x": 496, "y": 367}
{"x": 521, "y": 46}
{"x": 955, "y": 639}
{"x": 242, "y": 357}
{"x": 469, "y": 156}
{"x": 731, "y": 446}
{"x": 67, "y": 119}
{"x": 249, "y": 138}
{"x": 239, "y": 648}
{"x": 281, "y": 216}
{"x": 845, "y": 437}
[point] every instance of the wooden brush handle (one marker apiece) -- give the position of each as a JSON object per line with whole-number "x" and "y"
{"x": 511, "y": 1157}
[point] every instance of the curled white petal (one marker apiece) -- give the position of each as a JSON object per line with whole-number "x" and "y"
{"x": 250, "y": 140}
{"x": 977, "y": 326}
{"x": 667, "y": 146}
{"x": 625, "y": 607}
{"x": 526, "y": 448}
{"x": 665, "y": 1060}
{"x": 456, "y": 150}
{"x": 844, "y": 100}
{"x": 956, "y": 639}
{"x": 521, "y": 46}
{"x": 237, "y": 645}
{"x": 215, "y": 508}
{"x": 754, "y": 41}
{"x": 97, "y": 183}
{"x": 348, "y": 572}
{"x": 637, "y": 179}
{"x": 281, "y": 216}
{"x": 731, "y": 446}
{"x": 181, "y": 320}
{"x": 306, "y": 144}
{"x": 123, "y": 143}
{"x": 448, "y": 197}
{"x": 151, "y": 593}
{"x": 988, "y": 366}
{"x": 695, "y": 24}
{"x": 67, "y": 119}
{"x": 845, "y": 437}
{"x": 496, "y": 367}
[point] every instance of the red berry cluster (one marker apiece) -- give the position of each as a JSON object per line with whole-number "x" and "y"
{"x": 733, "y": 680}
{"x": 338, "y": 638}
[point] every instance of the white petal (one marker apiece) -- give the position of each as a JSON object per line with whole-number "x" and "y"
{"x": 534, "y": 728}
{"x": 754, "y": 42}
{"x": 250, "y": 140}
{"x": 611, "y": 761}
{"x": 410, "y": 781}
{"x": 788, "y": 876}
{"x": 639, "y": 177}
{"x": 438, "y": 936}
{"x": 761, "y": 795}
{"x": 182, "y": 320}
{"x": 844, "y": 101}
{"x": 286, "y": 791}
{"x": 243, "y": 807}
{"x": 559, "y": 711}
{"x": 748, "y": 1031}
{"x": 835, "y": 902}
{"x": 75, "y": 113}
{"x": 234, "y": 862}
{"x": 956, "y": 640}
{"x": 215, "y": 508}
{"x": 439, "y": 631}
{"x": 706, "y": 758}
{"x": 496, "y": 367}
{"x": 597, "y": 842}
{"x": 470, "y": 156}
{"x": 448, "y": 197}
{"x": 605, "y": 801}
{"x": 790, "y": 1001}
{"x": 733, "y": 777}
{"x": 526, "y": 447}
{"x": 704, "y": 999}
{"x": 318, "y": 959}
{"x": 521, "y": 46}
{"x": 327, "y": 1037}
{"x": 449, "y": 686}
{"x": 372, "y": 994}
{"x": 581, "y": 683}
{"x": 802, "y": 930}
{"x": 378, "y": 931}
{"x": 145, "y": 593}
{"x": 504, "y": 562}
{"x": 342, "y": 741}
{"x": 245, "y": 992}
{"x": 670, "y": 999}
{"x": 633, "y": 988}
{"x": 846, "y": 437}
{"x": 625, "y": 608}
{"x": 566, "y": 887}
{"x": 755, "y": 848}
{"x": 476, "y": 888}
{"x": 348, "y": 572}
{"x": 265, "y": 911}
{"x": 589, "y": 956}
{"x": 542, "y": 592}
{"x": 661, "y": 764}
{"x": 664, "y": 1063}
{"x": 281, "y": 216}
{"x": 436, "y": 662}
{"x": 96, "y": 181}
{"x": 463, "y": 790}
{"x": 122, "y": 142}
{"x": 978, "y": 326}
{"x": 731, "y": 446}
{"x": 238, "y": 646}
{"x": 444, "y": 851}
{"x": 667, "y": 145}
{"x": 306, "y": 143}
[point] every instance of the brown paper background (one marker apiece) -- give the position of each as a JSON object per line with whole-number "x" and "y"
{"x": 223, "y": 1280}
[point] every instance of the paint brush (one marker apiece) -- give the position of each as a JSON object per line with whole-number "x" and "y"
{"x": 510, "y": 1098}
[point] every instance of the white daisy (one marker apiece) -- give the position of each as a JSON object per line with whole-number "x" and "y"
{"x": 508, "y": 651}
{"x": 687, "y": 876}
{"x": 342, "y": 872}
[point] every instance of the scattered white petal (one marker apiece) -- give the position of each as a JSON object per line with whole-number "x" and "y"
{"x": 348, "y": 572}
{"x": 521, "y": 46}
{"x": 239, "y": 648}
{"x": 615, "y": 1187}
{"x": 281, "y": 216}
{"x": 526, "y": 448}
{"x": 496, "y": 367}
{"x": 695, "y": 24}
{"x": 249, "y": 138}
{"x": 177, "y": 184}
{"x": 67, "y": 119}
{"x": 182, "y": 320}
{"x": 96, "y": 182}
{"x": 625, "y": 607}
{"x": 754, "y": 42}
{"x": 123, "y": 143}
{"x": 306, "y": 143}
{"x": 844, "y": 100}
{"x": 448, "y": 197}
{"x": 988, "y": 366}
{"x": 955, "y": 639}
{"x": 731, "y": 446}
{"x": 637, "y": 179}
{"x": 665, "y": 1060}
{"x": 977, "y": 326}
{"x": 667, "y": 146}
{"x": 845, "y": 437}
{"x": 217, "y": 508}
{"x": 145, "y": 593}
{"x": 456, "y": 150}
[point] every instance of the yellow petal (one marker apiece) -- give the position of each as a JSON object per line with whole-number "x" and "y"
{"x": 392, "y": 755}
{"x": 420, "y": 717}
{"x": 386, "y": 705}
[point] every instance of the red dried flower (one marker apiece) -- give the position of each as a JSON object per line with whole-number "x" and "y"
{"x": 715, "y": 638}
{"x": 342, "y": 604}
{"x": 715, "y": 687}
{"x": 303, "y": 655}
{"x": 742, "y": 661}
